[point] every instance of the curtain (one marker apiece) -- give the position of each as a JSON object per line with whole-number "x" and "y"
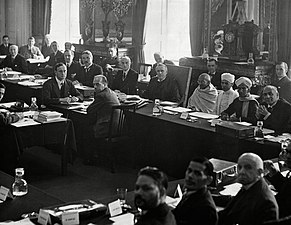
{"x": 284, "y": 31}
{"x": 41, "y": 17}
{"x": 138, "y": 30}
{"x": 47, "y": 16}
{"x": 196, "y": 16}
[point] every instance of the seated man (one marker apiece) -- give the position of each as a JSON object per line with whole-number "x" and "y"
{"x": 159, "y": 58}
{"x": 254, "y": 203}
{"x": 125, "y": 80}
{"x": 227, "y": 95}
{"x": 88, "y": 70}
{"x": 14, "y": 61}
{"x": 162, "y": 86}
{"x": 197, "y": 205}
{"x": 204, "y": 96}
{"x": 282, "y": 184}
{"x": 99, "y": 112}
{"x": 72, "y": 66}
{"x": 212, "y": 71}
{"x": 59, "y": 89}
{"x": 71, "y": 47}
{"x": 282, "y": 81}
{"x": 245, "y": 106}
{"x": 8, "y": 151}
{"x": 149, "y": 197}
{"x": 275, "y": 112}
{"x": 30, "y": 51}
{"x": 46, "y": 46}
{"x": 56, "y": 56}
{"x": 4, "y": 47}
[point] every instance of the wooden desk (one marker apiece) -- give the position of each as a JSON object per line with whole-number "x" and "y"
{"x": 12, "y": 209}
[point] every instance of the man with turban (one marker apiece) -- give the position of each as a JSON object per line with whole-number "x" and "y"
{"x": 227, "y": 95}
{"x": 245, "y": 106}
{"x": 204, "y": 96}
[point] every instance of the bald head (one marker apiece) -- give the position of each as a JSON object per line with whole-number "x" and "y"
{"x": 204, "y": 80}
{"x": 13, "y": 50}
{"x": 250, "y": 168}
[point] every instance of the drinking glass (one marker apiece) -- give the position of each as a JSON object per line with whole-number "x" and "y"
{"x": 121, "y": 195}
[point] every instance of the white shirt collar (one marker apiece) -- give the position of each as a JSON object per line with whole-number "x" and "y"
{"x": 59, "y": 82}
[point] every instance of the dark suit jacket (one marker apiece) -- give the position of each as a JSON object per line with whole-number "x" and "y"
{"x": 99, "y": 112}
{"x": 284, "y": 88}
{"x": 160, "y": 215}
{"x": 283, "y": 197}
{"x": 128, "y": 86}
{"x": 280, "y": 118}
{"x": 52, "y": 93}
{"x": 86, "y": 78}
{"x": 216, "y": 79}
{"x": 167, "y": 90}
{"x": 19, "y": 63}
{"x": 55, "y": 58}
{"x": 73, "y": 70}
{"x": 4, "y": 50}
{"x": 251, "y": 207}
{"x": 197, "y": 208}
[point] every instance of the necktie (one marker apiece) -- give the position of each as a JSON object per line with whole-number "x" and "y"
{"x": 123, "y": 76}
{"x": 62, "y": 92}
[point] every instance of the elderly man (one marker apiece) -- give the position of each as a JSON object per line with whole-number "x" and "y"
{"x": 197, "y": 205}
{"x": 204, "y": 96}
{"x": 88, "y": 70}
{"x": 162, "y": 86}
{"x": 99, "y": 113}
{"x": 227, "y": 95}
{"x": 275, "y": 112}
{"x": 159, "y": 58}
{"x": 30, "y": 51}
{"x": 72, "y": 66}
{"x": 60, "y": 90}
{"x": 14, "y": 61}
{"x": 282, "y": 184}
{"x": 125, "y": 80}
{"x": 254, "y": 203}
{"x": 244, "y": 107}
{"x": 4, "y": 47}
{"x": 149, "y": 197}
{"x": 283, "y": 83}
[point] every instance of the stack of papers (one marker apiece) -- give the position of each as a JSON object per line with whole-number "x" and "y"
{"x": 203, "y": 115}
{"x": 177, "y": 109}
{"x": 47, "y": 116}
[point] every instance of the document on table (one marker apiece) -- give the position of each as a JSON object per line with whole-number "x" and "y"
{"x": 231, "y": 189}
{"x": 25, "y": 221}
{"x": 177, "y": 109}
{"x": 123, "y": 219}
{"x": 28, "y": 83}
{"x": 203, "y": 115}
{"x": 25, "y": 122}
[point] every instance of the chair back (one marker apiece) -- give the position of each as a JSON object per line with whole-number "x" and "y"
{"x": 182, "y": 74}
{"x": 119, "y": 122}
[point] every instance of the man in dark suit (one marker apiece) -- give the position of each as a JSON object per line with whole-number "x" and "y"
{"x": 59, "y": 90}
{"x": 159, "y": 58}
{"x": 275, "y": 112}
{"x": 14, "y": 61}
{"x": 72, "y": 66}
{"x": 254, "y": 203}
{"x": 149, "y": 196}
{"x": 99, "y": 113}
{"x": 283, "y": 82}
{"x": 282, "y": 184}
{"x": 4, "y": 48}
{"x": 30, "y": 51}
{"x": 88, "y": 70}
{"x": 125, "y": 80}
{"x": 214, "y": 75}
{"x": 197, "y": 205}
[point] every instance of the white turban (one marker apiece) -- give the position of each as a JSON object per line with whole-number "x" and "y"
{"x": 228, "y": 76}
{"x": 243, "y": 80}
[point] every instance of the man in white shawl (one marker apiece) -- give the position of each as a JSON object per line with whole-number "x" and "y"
{"x": 204, "y": 96}
{"x": 226, "y": 95}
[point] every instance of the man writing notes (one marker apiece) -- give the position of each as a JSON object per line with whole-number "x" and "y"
{"x": 274, "y": 111}
{"x": 125, "y": 80}
{"x": 14, "y": 61}
{"x": 204, "y": 96}
{"x": 99, "y": 113}
{"x": 254, "y": 203}
{"x": 59, "y": 89}
{"x": 30, "y": 51}
{"x": 162, "y": 86}
{"x": 149, "y": 197}
{"x": 88, "y": 70}
{"x": 245, "y": 106}
{"x": 197, "y": 205}
{"x": 227, "y": 95}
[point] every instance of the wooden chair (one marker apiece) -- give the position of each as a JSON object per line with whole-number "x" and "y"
{"x": 118, "y": 132}
{"x": 182, "y": 75}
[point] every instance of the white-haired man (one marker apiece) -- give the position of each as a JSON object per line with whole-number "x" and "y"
{"x": 254, "y": 203}
{"x": 227, "y": 95}
{"x": 125, "y": 80}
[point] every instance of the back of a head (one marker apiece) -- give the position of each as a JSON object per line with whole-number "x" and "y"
{"x": 158, "y": 176}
